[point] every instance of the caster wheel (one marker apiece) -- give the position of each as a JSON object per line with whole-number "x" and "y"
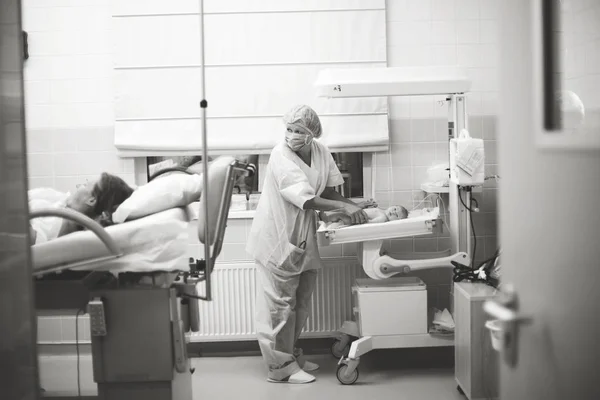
{"x": 346, "y": 380}
{"x": 460, "y": 390}
{"x": 338, "y": 351}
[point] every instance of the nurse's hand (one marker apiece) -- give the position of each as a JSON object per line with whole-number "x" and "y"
{"x": 368, "y": 204}
{"x": 356, "y": 214}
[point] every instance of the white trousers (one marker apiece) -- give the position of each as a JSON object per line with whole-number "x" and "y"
{"x": 282, "y": 305}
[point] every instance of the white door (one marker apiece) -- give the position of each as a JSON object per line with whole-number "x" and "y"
{"x": 549, "y": 222}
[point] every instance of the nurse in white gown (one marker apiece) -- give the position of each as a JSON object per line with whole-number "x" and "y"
{"x": 299, "y": 180}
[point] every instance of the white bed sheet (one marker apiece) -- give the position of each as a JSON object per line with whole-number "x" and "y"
{"x": 158, "y": 242}
{"x": 417, "y": 223}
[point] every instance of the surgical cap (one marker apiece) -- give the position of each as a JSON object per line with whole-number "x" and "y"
{"x": 305, "y": 117}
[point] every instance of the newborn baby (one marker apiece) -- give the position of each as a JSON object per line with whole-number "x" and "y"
{"x": 376, "y": 215}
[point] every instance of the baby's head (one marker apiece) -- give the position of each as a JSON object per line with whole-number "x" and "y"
{"x": 396, "y": 212}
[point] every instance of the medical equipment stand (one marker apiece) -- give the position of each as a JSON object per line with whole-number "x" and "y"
{"x": 460, "y": 233}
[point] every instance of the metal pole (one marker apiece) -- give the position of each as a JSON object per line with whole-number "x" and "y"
{"x": 203, "y": 106}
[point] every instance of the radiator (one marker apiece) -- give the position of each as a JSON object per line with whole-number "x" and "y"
{"x": 230, "y": 316}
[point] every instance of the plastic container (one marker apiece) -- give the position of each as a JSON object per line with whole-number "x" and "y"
{"x": 394, "y": 306}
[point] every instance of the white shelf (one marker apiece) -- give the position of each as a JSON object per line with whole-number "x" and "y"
{"x": 397, "y": 81}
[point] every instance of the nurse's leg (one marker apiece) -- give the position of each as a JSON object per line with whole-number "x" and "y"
{"x": 306, "y": 287}
{"x": 275, "y": 322}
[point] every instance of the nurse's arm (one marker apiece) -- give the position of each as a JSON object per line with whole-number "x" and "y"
{"x": 357, "y": 215}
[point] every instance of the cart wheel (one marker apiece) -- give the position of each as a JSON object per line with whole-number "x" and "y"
{"x": 460, "y": 390}
{"x": 338, "y": 351}
{"x": 346, "y": 380}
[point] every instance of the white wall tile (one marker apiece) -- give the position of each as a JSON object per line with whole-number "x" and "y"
{"x": 421, "y": 107}
{"x": 37, "y": 92}
{"x": 40, "y": 182}
{"x": 444, "y": 32}
{"x": 491, "y": 152}
{"x": 68, "y": 67}
{"x": 476, "y": 126}
{"x": 96, "y": 139}
{"x": 469, "y": 55}
{"x": 420, "y": 175}
{"x": 57, "y": 18}
{"x": 418, "y": 10}
{"x": 401, "y": 155}
{"x": 401, "y": 179}
{"x": 400, "y": 130}
{"x": 489, "y": 103}
{"x": 489, "y": 127}
{"x": 409, "y": 33}
{"x": 423, "y": 154}
{"x": 442, "y": 10}
{"x": 441, "y": 152}
{"x": 81, "y": 42}
{"x": 443, "y": 55}
{"x": 40, "y": 164}
{"x": 399, "y": 107}
{"x": 422, "y": 130}
{"x": 65, "y": 140}
{"x": 382, "y": 178}
{"x": 39, "y": 141}
{"x": 396, "y": 10}
{"x": 467, "y": 9}
{"x": 490, "y": 9}
{"x": 99, "y": 90}
{"x": 441, "y": 130}
{"x": 467, "y": 32}
{"x": 488, "y": 31}
{"x": 403, "y": 198}
{"x": 70, "y": 115}
{"x": 408, "y": 56}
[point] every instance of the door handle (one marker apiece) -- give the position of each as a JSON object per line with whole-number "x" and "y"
{"x": 504, "y": 314}
{"x": 510, "y": 321}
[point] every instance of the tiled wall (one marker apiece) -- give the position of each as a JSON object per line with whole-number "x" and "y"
{"x": 438, "y": 32}
{"x": 69, "y": 93}
{"x": 70, "y": 111}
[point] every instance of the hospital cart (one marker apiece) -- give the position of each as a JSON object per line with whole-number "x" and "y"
{"x": 403, "y": 326}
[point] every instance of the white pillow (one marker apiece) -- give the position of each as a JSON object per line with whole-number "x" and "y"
{"x": 163, "y": 193}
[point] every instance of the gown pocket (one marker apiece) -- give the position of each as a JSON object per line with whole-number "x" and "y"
{"x": 295, "y": 259}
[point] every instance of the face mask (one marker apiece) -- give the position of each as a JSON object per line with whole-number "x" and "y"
{"x": 296, "y": 141}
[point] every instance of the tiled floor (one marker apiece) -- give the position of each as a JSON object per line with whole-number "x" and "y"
{"x": 380, "y": 379}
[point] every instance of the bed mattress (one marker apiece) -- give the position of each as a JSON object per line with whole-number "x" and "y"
{"x": 158, "y": 242}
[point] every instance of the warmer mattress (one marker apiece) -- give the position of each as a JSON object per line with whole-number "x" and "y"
{"x": 158, "y": 242}
{"x": 419, "y": 222}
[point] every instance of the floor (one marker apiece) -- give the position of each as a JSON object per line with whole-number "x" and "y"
{"x": 381, "y": 377}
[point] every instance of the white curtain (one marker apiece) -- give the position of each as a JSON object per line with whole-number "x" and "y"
{"x": 262, "y": 58}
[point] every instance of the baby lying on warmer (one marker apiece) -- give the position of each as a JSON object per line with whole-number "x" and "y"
{"x": 337, "y": 219}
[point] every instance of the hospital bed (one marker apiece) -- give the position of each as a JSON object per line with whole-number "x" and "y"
{"x": 139, "y": 288}
{"x": 451, "y": 82}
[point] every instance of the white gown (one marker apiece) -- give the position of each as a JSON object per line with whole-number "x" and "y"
{"x": 283, "y": 243}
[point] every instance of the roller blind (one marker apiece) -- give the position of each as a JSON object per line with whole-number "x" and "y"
{"x": 262, "y": 57}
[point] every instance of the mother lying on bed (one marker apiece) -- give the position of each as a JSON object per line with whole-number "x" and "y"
{"x": 97, "y": 200}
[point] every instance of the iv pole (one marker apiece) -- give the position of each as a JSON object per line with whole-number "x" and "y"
{"x": 203, "y": 106}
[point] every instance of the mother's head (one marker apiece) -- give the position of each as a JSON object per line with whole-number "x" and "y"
{"x": 98, "y": 200}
